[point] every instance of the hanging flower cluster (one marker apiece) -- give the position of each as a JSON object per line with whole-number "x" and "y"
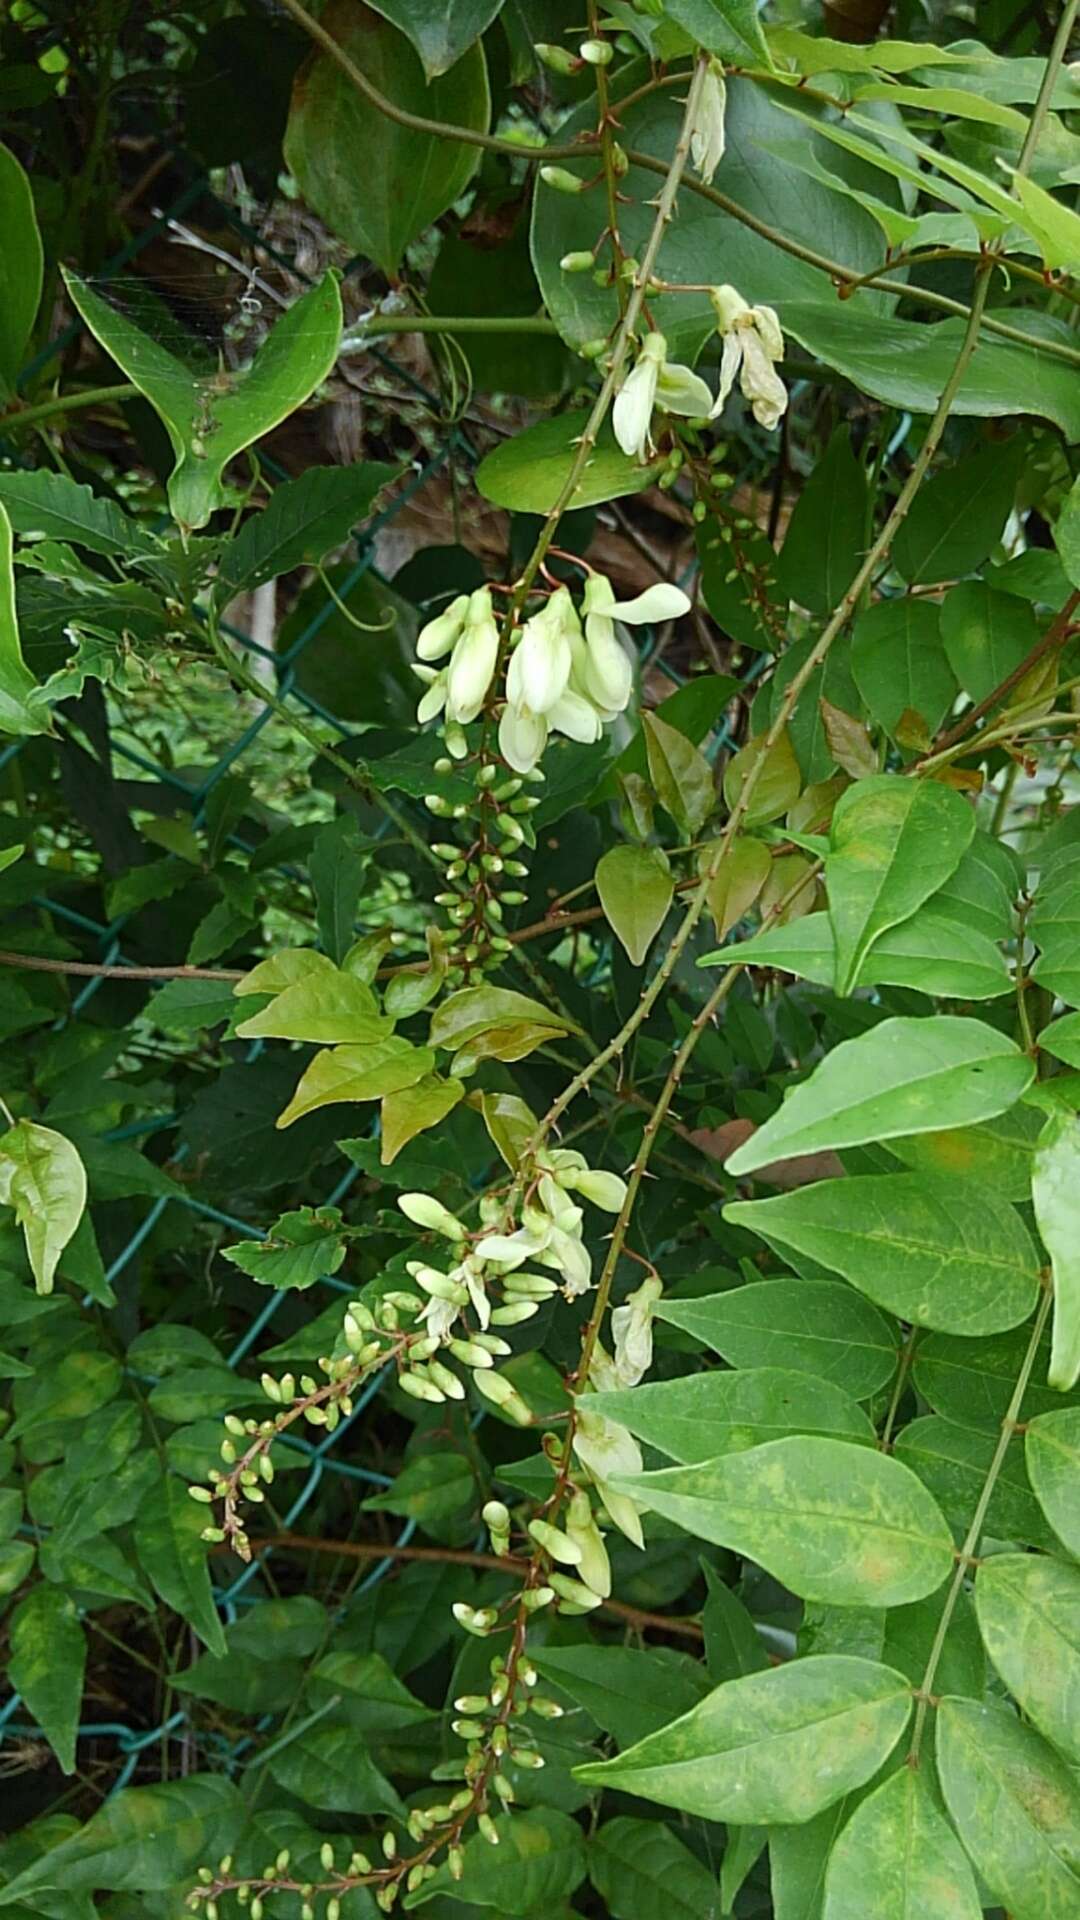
{"x": 560, "y": 678}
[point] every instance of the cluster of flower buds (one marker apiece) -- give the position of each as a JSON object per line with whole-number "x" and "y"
{"x": 563, "y": 680}
{"x": 468, "y": 632}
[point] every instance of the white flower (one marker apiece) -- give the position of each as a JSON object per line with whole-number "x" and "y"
{"x": 653, "y": 382}
{"x": 707, "y": 132}
{"x": 540, "y": 664}
{"x": 631, "y": 1330}
{"x": 439, "y": 1317}
{"x": 752, "y": 344}
{"x": 632, "y": 413}
{"x": 606, "y": 670}
{"x": 437, "y": 638}
{"x": 433, "y": 700}
{"x": 522, "y": 737}
{"x": 576, "y": 718}
{"x": 472, "y": 662}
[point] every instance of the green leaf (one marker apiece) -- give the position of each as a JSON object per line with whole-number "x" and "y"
{"x": 327, "y": 1767}
{"x": 210, "y": 419}
{"x": 434, "y": 1486}
{"x": 953, "y": 1461}
{"x": 707, "y": 1414}
{"x": 902, "y": 1076}
{"x": 636, "y": 890}
{"x": 901, "y": 666}
{"x": 528, "y": 472}
{"x": 731, "y": 28}
{"x": 827, "y": 531}
{"x": 680, "y": 773}
{"x": 627, "y": 1691}
{"x": 300, "y": 1248}
{"x": 986, "y": 635}
{"x": 900, "y": 1844}
{"x": 20, "y": 709}
{"x": 1028, "y": 1609}
{"x": 1055, "y": 926}
{"x": 832, "y": 1521}
{"x": 1055, "y": 1191}
{"x": 145, "y": 1838}
{"x": 370, "y": 1693}
{"x": 997, "y": 1153}
{"x": 414, "y": 1110}
{"x": 927, "y": 953}
{"x": 798, "y": 1858}
{"x": 303, "y": 519}
{"x": 441, "y": 34}
{"x": 474, "y": 1011}
{"x": 775, "y": 1746}
{"x": 641, "y": 1869}
{"x": 732, "y": 1643}
{"x": 972, "y": 1380}
{"x": 775, "y": 788}
{"x": 323, "y": 1008}
{"x": 173, "y": 1555}
{"x": 1016, "y": 1808}
{"x": 55, "y": 507}
{"x": 47, "y": 1664}
{"x": 1062, "y": 1039}
{"x": 539, "y": 1860}
{"x": 338, "y": 868}
{"x": 1067, "y": 534}
{"x": 936, "y": 1252}
{"x": 43, "y": 1178}
{"x": 21, "y": 268}
{"x": 377, "y": 185}
{"x": 818, "y": 1327}
{"x": 894, "y": 842}
{"x": 959, "y": 514}
{"x": 357, "y": 1073}
{"x": 1052, "y": 1453}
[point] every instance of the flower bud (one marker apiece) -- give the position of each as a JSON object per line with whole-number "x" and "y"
{"x": 604, "y": 1189}
{"x": 496, "y": 1516}
{"x": 579, "y": 1597}
{"x": 472, "y": 662}
{"x": 438, "y": 636}
{"x": 420, "y": 1388}
{"x": 562, "y": 181}
{"x": 557, "y": 59}
{"x": 555, "y": 1542}
{"x": 581, "y": 262}
{"x": 597, "y": 52}
{"x": 515, "y": 1313}
{"x": 425, "y": 1211}
{"x": 504, "y": 1395}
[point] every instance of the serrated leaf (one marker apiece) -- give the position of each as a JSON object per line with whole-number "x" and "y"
{"x": 899, "y": 1843}
{"x": 1028, "y": 1608}
{"x": 832, "y": 1521}
{"x": 300, "y": 1248}
{"x": 894, "y": 842}
{"x": 707, "y": 1414}
{"x": 636, "y": 890}
{"x": 775, "y": 1746}
{"x": 902, "y": 1076}
{"x": 173, "y": 1555}
{"x": 47, "y": 1664}
{"x": 1016, "y": 1808}
{"x": 936, "y": 1252}
{"x": 302, "y": 520}
{"x": 1055, "y": 1192}
{"x": 818, "y": 1327}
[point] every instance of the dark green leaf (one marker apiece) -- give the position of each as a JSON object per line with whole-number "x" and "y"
{"x": 303, "y": 519}
{"x": 959, "y": 515}
{"x": 528, "y": 472}
{"x": 827, "y": 531}
{"x": 1015, "y": 1805}
{"x": 707, "y": 1414}
{"x": 47, "y": 1663}
{"x": 173, "y": 1555}
{"x": 816, "y": 1327}
{"x": 901, "y": 666}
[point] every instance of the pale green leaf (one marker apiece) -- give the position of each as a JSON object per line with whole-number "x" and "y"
{"x": 894, "y": 842}
{"x": 927, "y": 953}
{"x": 680, "y": 774}
{"x": 1055, "y": 1191}
{"x": 900, "y": 1844}
{"x": 817, "y": 1327}
{"x": 48, "y": 1660}
{"x": 997, "y": 1153}
{"x": 774, "y": 1746}
{"x": 474, "y": 1011}
{"x": 776, "y": 778}
{"x": 1062, "y": 1039}
{"x": 832, "y": 1521}
{"x": 322, "y": 1008}
{"x": 936, "y": 1252}
{"x": 902, "y": 1076}
{"x": 1016, "y": 1808}
{"x": 1028, "y": 1608}
{"x": 21, "y": 711}
{"x": 528, "y": 472}
{"x": 357, "y": 1073}
{"x": 635, "y": 890}
{"x": 707, "y": 1414}
{"x": 43, "y": 1178}
{"x": 1052, "y": 1453}
{"x": 415, "y": 1109}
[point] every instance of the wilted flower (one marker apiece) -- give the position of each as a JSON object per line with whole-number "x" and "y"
{"x": 707, "y": 132}
{"x": 631, "y": 1332}
{"x": 655, "y": 382}
{"x": 752, "y": 344}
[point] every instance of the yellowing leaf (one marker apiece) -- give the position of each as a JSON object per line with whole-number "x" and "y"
{"x": 776, "y": 786}
{"x": 43, "y": 1178}
{"x": 357, "y": 1073}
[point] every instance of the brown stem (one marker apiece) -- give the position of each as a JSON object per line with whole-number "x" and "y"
{"x": 1055, "y": 636}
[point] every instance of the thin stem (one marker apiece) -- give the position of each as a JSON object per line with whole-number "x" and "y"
{"x": 37, "y": 963}
{"x": 1054, "y": 61}
{"x": 978, "y": 1521}
{"x": 903, "y": 1370}
{"x": 1057, "y": 633}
